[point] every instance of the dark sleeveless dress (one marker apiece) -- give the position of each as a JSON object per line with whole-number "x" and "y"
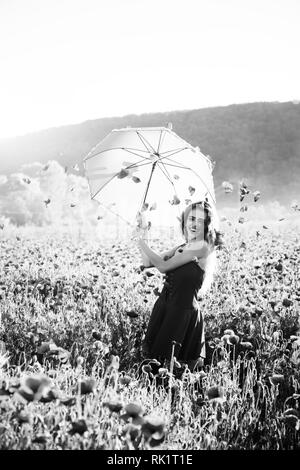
{"x": 176, "y": 317}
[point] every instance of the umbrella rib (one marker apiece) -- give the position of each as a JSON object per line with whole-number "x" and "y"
{"x": 174, "y": 150}
{"x": 142, "y": 138}
{"x": 115, "y": 148}
{"x": 164, "y": 171}
{"x": 160, "y": 141}
{"x": 101, "y": 151}
{"x": 108, "y": 208}
{"x": 136, "y": 154}
{"x": 128, "y": 167}
{"x": 187, "y": 168}
{"x": 177, "y": 166}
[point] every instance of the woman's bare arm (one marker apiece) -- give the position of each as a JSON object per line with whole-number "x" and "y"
{"x": 165, "y": 255}
{"x": 178, "y": 260}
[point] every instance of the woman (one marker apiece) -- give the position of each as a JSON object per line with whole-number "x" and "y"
{"x": 189, "y": 270}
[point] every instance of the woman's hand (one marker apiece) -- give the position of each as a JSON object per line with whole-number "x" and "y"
{"x": 139, "y": 234}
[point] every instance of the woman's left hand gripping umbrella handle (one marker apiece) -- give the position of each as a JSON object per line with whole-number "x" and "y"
{"x": 141, "y": 229}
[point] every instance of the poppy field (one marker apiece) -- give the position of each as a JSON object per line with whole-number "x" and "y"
{"x": 73, "y": 312}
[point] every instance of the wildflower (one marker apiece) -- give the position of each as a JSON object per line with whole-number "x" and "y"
{"x": 78, "y": 427}
{"x": 228, "y": 332}
{"x": 41, "y": 438}
{"x": 87, "y": 386}
{"x": 233, "y": 339}
{"x": 114, "y": 405}
{"x": 216, "y": 393}
{"x": 133, "y": 411}
{"x": 153, "y": 429}
{"x": 101, "y": 347}
{"x": 146, "y": 368}
{"x": 163, "y": 371}
{"x": 132, "y": 431}
{"x": 96, "y": 335}
{"x": 246, "y": 345}
{"x": 125, "y": 380}
{"x": 34, "y": 387}
{"x": 291, "y": 420}
{"x": 24, "y": 417}
{"x": 132, "y": 314}
{"x": 177, "y": 363}
{"x": 115, "y": 362}
{"x": 287, "y": 302}
{"x": 276, "y": 379}
{"x": 79, "y": 361}
{"x": 68, "y": 401}
{"x": 50, "y": 395}
{"x": 202, "y": 374}
{"x": 276, "y": 335}
{"x": 225, "y": 339}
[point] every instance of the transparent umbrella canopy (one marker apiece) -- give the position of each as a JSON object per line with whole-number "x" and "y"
{"x": 150, "y": 170}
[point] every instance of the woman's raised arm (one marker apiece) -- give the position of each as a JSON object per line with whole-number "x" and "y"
{"x": 175, "y": 261}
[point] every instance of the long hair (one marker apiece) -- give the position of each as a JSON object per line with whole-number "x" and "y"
{"x": 212, "y": 236}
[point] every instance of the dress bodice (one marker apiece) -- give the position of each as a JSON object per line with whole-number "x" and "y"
{"x": 183, "y": 283}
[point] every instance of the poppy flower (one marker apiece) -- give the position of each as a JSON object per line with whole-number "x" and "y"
{"x": 68, "y": 401}
{"x": 287, "y": 302}
{"x": 132, "y": 314}
{"x": 132, "y": 431}
{"x": 228, "y": 332}
{"x": 41, "y": 438}
{"x": 216, "y": 393}
{"x": 78, "y": 427}
{"x": 114, "y": 405}
{"x": 24, "y": 417}
{"x": 133, "y": 411}
{"x": 291, "y": 421}
{"x": 276, "y": 379}
{"x": 96, "y": 335}
{"x": 233, "y": 339}
{"x": 87, "y": 386}
{"x": 33, "y": 388}
{"x": 125, "y": 380}
{"x": 153, "y": 429}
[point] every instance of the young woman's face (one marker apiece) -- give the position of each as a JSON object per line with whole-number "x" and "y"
{"x": 194, "y": 224}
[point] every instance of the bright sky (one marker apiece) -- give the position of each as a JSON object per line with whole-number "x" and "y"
{"x": 66, "y": 61}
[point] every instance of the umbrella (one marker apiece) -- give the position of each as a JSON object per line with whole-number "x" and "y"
{"x": 148, "y": 169}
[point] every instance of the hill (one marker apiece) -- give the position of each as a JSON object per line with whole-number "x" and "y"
{"x": 258, "y": 141}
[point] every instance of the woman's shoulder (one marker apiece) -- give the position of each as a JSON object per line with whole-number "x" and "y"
{"x": 198, "y": 244}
